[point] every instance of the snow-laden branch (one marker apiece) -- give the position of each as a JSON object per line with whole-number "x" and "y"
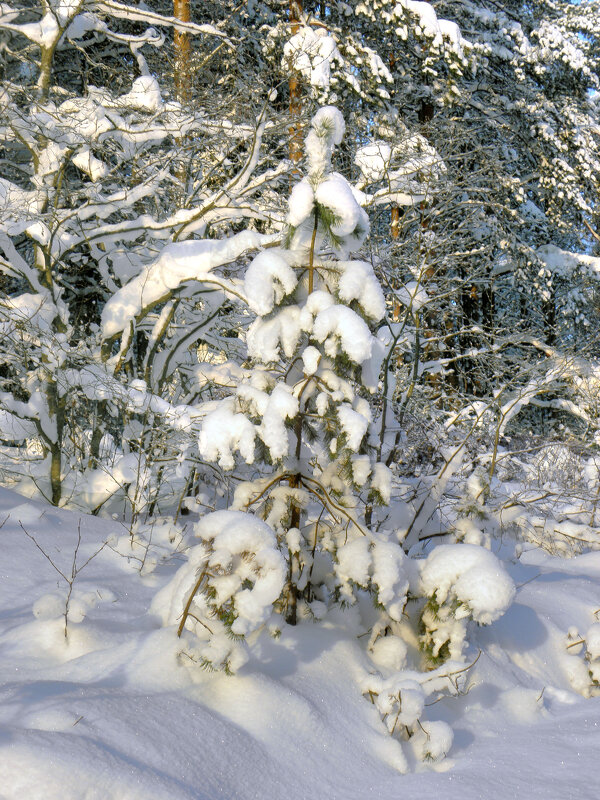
{"x": 137, "y": 14}
{"x": 178, "y": 263}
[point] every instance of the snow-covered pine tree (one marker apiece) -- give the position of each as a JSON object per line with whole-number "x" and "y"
{"x": 303, "y": 536}
{"x": 303, "y": 414}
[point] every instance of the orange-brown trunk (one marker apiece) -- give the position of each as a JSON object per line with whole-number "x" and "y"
{"x": 183, "y": 51}
{"x": 295, "y": 89}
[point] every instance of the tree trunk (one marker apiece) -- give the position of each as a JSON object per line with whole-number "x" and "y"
{"x": 56, "y": 407}
{"x": 549, "y": 313}
{"x": 183, "y": 52}
{"x": 296, "y": 148}
{"x": 183, "y": 80}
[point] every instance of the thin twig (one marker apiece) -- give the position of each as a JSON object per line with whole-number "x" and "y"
{"x": 43, "y": 552}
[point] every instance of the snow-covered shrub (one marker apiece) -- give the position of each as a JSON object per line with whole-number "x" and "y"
{"x": 584, "y": 666}
{"x": 432, "y": 741}
{"x": 461, "y": 582}
{"x": 227, "y": 589}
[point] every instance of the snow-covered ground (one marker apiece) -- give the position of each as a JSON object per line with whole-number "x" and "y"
{"x": 113, "y": 712}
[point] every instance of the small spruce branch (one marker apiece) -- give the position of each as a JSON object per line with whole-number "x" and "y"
{"x": 327, "y": 501}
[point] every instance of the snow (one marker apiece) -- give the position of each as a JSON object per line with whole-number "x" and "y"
{"x": 113, "y": 713}
{"x": 88, "y": 163}
{"x": 310, "y": 360}
{"x": 336, "y": 195}
{"x": 353, "y": 424}
{"x": 280, "y": 407}
{"x": 326, "y": 130}
{"x": 412, "y": 295}
{"x": 361, "y": 469}
{"x": 382, "y": 481}
{"x": 274, "y": 408}
{"x": 473, "y": 575}
{"x": 315, "y": 303}
{"x": 439, "y": 31}
{"x": 373, "y": 160}
{"x": 311, "y": 52}
{"x": 17, "y": 206}
{"x": 223, "y": 432}
{"x": 563, "y": 262}
{"x": 301, "y": 203}
{"x": 407, "y": 172}
{"x": 112, "y": 629}
{"x": 44, "y": 33}
{"x": 340, "y": 326}
{"x": 268, "y": 279}
{"x": 12, "y": 428}
{"x": 177, "y": 264}
{"x": 433, "y": 741}
{"x": 390, "y": 576}
{"x": 329, "y": 120}
{"x": 340, "y": 218}
{"x": 354, "y": 561}
{"x": 227, "y": 373}
{"x": 358, "y": 282}
{"x": 389, "y": 652}
{"x": 592, "y": 640}
{"x": 100, "y": 484}
{"x": 230, "y": 538}
{"x": 382, "y": 563}
{"x": 144, "y": 95}
{"x": 264, "y": 337}
{"x": 34, "y": 310}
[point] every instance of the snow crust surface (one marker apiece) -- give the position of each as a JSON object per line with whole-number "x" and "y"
{"x": 112, "y": 712}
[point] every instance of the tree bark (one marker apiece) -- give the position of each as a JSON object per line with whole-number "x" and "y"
{"x": 183, "y": 80}
{"x": 183, "y": 51}
{"x": 295, "y": 89}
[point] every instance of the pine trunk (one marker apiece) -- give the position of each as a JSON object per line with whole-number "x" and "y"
{"x": 183, "y": 50}
{"x": 295, "y": 90}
